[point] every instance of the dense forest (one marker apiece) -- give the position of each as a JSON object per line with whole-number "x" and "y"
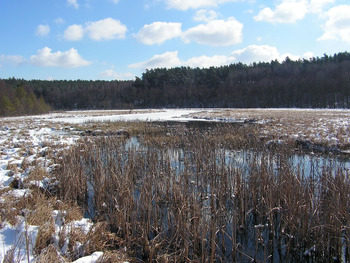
{"x": 321, "y": 82}
{"x": 20, "y": 100}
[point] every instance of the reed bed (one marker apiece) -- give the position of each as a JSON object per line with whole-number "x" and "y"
{"x": 183, "y": 193}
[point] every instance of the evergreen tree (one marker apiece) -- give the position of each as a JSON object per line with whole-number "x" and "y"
{"x": 6, "y": 106}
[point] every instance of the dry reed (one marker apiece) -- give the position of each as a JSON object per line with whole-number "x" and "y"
{"x": 181, "y": 193}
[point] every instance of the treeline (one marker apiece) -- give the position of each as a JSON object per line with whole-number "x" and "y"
{"x": 321, "y": 82}
{"x": 20, "y": 100}
{"x": 318, "y": 82}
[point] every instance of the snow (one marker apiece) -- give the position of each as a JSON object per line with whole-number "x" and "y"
{"x": 84, "y": 224}
{"x": 164, "y": 115}
{"x": 7, "y": 239}
{"x": 4, "y": 179}
{"x": 89, "y": 259}
{"x": 23, "y": 138}
{"x": 19, "y": 193}
{"x": 18, "y": 238}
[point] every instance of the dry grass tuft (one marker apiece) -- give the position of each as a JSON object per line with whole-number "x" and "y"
{"x": 117, "y": 256}
{"x": 101, "y": 239}
{"x": 40, "y": 208}
{"x": 13, "y": 167}
{"x": 76, "y": 236}
{"x": 50, "y": 254}
{"x": 11, "y": 208}
{"x": 45, "y": 237}
{"x": 98, "y": 238}
{"x": 72, "y": 210}
{"x": 37, "y": 174}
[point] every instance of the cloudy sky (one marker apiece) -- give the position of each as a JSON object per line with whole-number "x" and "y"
{"x": 119, "y": 39}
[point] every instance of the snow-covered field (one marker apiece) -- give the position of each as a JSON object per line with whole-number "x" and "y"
{"x": 110, "y": 116}
{"x": 31, "y": 141}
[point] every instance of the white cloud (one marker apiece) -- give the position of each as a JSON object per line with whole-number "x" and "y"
{"x": 74, "y": 33}
{"x": 317, "y": 6}
{"x": 171, "y": 59}
{"x": 205, "y": 61}
{"x": 290, "y": 56}
{"x": 248, "y": 55}
{"x": 289, "y": 11}
{"x": 73, "y": 3}
{"x": 66, "y": 59}
{"x": 105, "y": 29}
{"x": 194, "y": 4}
{"x": 216, "y": 33}
{"x": 255, "y": 53}
{"x": 337, "y": 26}
{"x": 165, "y": 60}
{"x": 42, "y": 30}
{"x": 158, "y": 32}
{"x": 13, "y": 60}
{"x": 205, "y": 15}
{"x": 308, "y": 55}
{"x": 111, "y": 74}
{"x": 262, "y": 53}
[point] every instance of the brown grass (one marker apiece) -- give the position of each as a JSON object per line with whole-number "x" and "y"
{"x": 11, "y": 207}
{"x": 114, "y": 257}
{"x": 101, "y": 239}
{"x": 50, "y": 254}
{"x": 40, "y": 208}
{"x": 98, "y": 238}
{"x": 45, "y": 237}
{"x": 314, "y": 125}
{"x": 177, "y": 197}
{"x": 37, "y": 174}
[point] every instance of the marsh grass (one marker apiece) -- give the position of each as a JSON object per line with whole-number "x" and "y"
{"x": 176, "y": 195}
{"x": 45, "y": 237}
{"x": 36, "y": 174}
{"x": 38, "y": 208}
{"x": 50, "y": 254}
{"x": 113, "y": 257}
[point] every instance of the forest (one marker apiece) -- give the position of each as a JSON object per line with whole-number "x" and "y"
{"x": 319, "y": 82}
{"x": 20, "y": 100}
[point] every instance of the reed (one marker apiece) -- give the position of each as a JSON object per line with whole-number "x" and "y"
{"x": 183, "y": 193}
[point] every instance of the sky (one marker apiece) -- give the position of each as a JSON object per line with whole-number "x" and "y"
{"x": 120, "y": 39}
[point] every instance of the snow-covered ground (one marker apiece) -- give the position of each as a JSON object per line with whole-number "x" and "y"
{"x": 26, "y": 142}
{"x": 152, "y": 115}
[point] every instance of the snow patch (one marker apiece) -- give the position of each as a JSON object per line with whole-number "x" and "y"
{"x": 90, "y": 259}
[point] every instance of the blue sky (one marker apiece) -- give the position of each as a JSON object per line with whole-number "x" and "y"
{"x": 119, "y": 39}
